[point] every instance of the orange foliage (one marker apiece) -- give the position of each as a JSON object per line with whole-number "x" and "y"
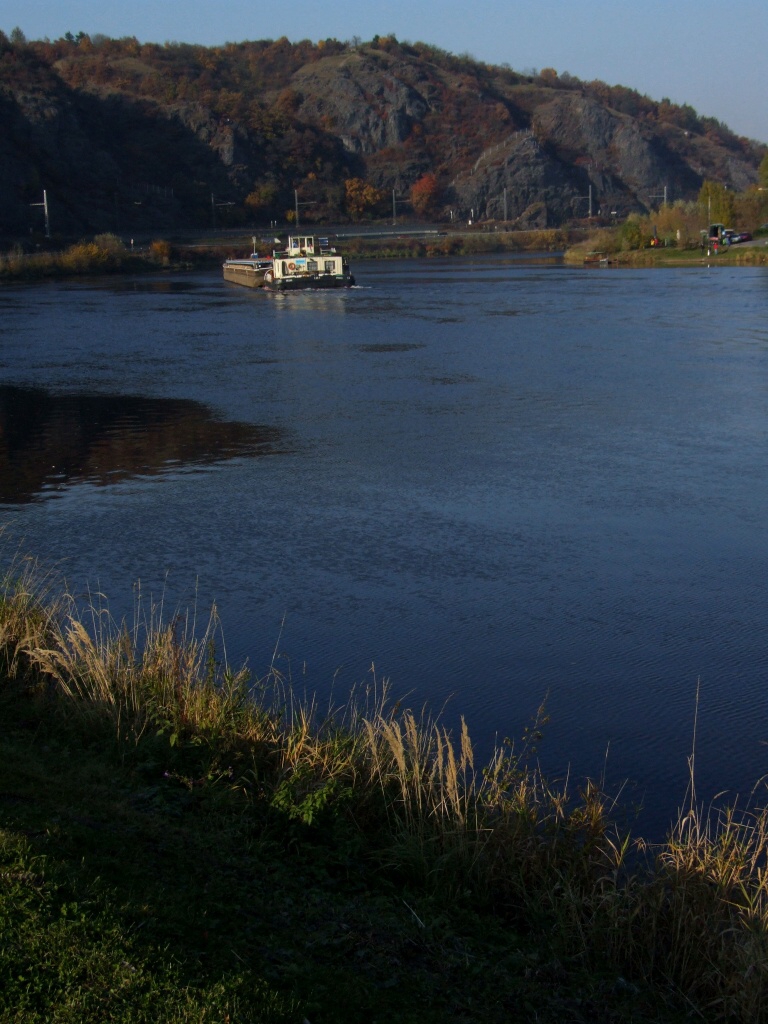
{"x": 425, "y": 194}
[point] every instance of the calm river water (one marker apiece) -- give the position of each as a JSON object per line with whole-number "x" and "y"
{"x": 494, "y": 480}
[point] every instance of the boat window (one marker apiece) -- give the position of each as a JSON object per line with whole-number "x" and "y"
{"x": 312, "y": 266}
{"x": 285, "y": 267}
{"x": 330, "y": 266}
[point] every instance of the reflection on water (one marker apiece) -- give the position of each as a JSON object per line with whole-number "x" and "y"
{"x": 145, "y": 285}
{"x": 392, "y": 346}
{"x": 505, "y": 481}
{"x": 49, "y": 441}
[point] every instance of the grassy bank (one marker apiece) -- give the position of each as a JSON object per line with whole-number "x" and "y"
{"x": 673, "y": 257}
{"x": 612, "y": 243}
{"x": 180, "y": 842}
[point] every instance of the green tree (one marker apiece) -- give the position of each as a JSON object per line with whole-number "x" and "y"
{"x": 751, "y": 208}
{"x": 763, "y": 172}
{"x": 631, "y": 233}
{"x": 717, "y": 203}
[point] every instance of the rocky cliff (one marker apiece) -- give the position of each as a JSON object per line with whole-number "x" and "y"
{"x": 127, "y": 137}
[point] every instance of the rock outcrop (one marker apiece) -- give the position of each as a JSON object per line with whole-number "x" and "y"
{"x": 126, "y": 137}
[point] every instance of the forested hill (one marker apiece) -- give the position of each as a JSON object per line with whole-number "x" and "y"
{"x": 127, "y": 137}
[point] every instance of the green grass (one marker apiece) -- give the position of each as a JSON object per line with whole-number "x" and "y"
{"x": 181, "y": 843}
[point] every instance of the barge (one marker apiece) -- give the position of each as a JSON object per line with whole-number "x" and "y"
{"x": 305, "y": 262}
{"x": 249, "y": 272}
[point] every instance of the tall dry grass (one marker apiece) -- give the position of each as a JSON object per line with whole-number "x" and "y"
{"x": 105, "y": 254}
{"x": 689, "y": 916}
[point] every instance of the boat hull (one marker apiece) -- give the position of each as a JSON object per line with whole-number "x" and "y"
{"x": 300, "y": 282}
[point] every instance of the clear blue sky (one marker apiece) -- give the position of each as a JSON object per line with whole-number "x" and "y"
{"x": 709, "y": 53}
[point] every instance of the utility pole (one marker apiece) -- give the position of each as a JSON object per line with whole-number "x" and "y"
{"x": 298, "y": 204}
{"x": 44, "y": 205}
{"x": 395, "y": 201}
{"x": 661, "y": 195}
{"x": 589, "y": 197}
{"x": 214, "y": 204}
{"x": 506, "y": 218}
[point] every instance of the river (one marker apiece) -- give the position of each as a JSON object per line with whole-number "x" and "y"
{"x": 492, "y": 482}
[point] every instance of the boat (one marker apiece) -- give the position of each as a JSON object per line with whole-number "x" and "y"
{"x": 250, "y": 271}
{"x": 599, "y": 258}
{"x": 307, "y": 262}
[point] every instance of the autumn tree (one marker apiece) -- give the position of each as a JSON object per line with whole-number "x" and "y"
{"x": 425, "y": 194}
{"x": 679, "y": 223}
{"x": 261, "y": 201}
{"x": 361, "y": 197}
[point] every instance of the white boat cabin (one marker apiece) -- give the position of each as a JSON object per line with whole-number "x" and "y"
{"x": 308, "y": 257}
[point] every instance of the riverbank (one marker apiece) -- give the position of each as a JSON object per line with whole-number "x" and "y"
{"x": 184, "y": 843}
{"x": 753, "y": 254}
{"x": 757, "y": 257}
{"x": 385, "y": 245}
{"x": 106, "y": 254}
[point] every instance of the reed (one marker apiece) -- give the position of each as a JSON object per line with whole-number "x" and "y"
{"x": 688, "y": 917}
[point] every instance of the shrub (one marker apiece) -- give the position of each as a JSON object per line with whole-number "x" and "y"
{"x": 161, "y": 251}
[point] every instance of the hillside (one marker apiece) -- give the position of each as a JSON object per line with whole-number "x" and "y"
{"x": 132, "y": 137}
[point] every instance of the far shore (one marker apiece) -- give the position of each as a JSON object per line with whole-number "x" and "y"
{"x": 107, "y": 254}
{"x": 751, "y": 254}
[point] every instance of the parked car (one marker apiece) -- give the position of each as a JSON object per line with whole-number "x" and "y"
{"x": 731, "y": 237}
